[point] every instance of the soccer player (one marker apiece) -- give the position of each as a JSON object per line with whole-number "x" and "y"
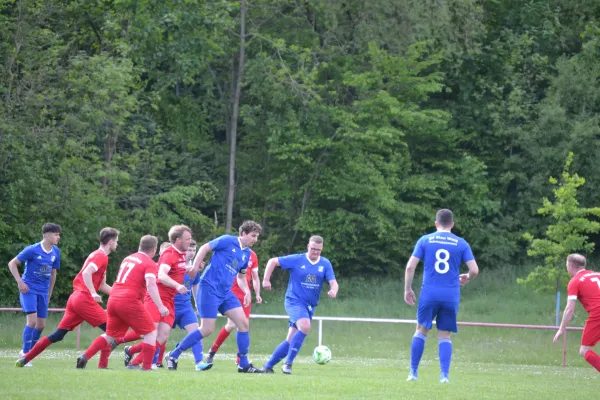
{"x": 308, "y": 271}
{"x": 251, "y": 274}
{"x": 229, "y": 261}
{"x": 83, "y": 304}
{"x": 442, "y": 253}
{"x": 137, "y": 274}
{"x": 585, "y": 287}
{"x": 171, "y": 271}
{"x": 42, "y": 260}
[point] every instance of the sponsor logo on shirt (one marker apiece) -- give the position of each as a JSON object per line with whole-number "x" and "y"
{"x": 320, "y": 268}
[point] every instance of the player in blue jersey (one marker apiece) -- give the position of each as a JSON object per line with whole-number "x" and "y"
{"x": 42, "y": 260}
{"x": 229, "y": 261}
{"x": 308, "y": 271}
{"x": 442, "y": 253}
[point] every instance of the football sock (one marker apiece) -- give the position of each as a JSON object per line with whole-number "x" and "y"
{"x": 221, "y": 337}
{"x": 416, "y": 350}
{"x": 295, "y": 345}
{"x": 191, "y": 339}
{"x": 35, "y": 336}
{"x": 243, "y": 342}
{"x": 161, "y": 353}
{"x": 148, "y": 354}
{"x": 38, "y": 348}
{"x": 593, "y": 359}
{"x": 280, "y": 352}
{"x": 98, "y": 344}
{"x": 198, "y": 352}
{"x": 445, "y": 355}
{"x": 104, "y": 354}
{"x": 136, "y": 348}
{"x": 27, "y": 332}
{"x": 130, "y": 336}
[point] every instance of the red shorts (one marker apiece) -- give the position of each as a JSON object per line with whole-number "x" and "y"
{"x": 240, "y": 297}
{"x": 153, "y": 310}
{"x": 124, "y": 313}
{"x": 591, "y": 332}
{"x": 82, "y": 307}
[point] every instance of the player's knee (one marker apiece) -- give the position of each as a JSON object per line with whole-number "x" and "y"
{"x": 303, "y": 326}
{"x": 57, "y": 335}
{"x": 40, "y": 325}
{"x": 243, "y": 326}
{"x": 207, "y": 330}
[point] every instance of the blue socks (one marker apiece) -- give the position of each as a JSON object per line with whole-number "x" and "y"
{"x": 416, "y": 351}
{"x": 281, "y": 351}
{"x": 191, "y": 339}
{"x": 198, "y": 352}
{"x": 243, "y": 342}
{"x": 35, "y": 336}
{"x": 445, "y": 354}
{"x": 27, "y": 336}
{"x": 295, "y": 345}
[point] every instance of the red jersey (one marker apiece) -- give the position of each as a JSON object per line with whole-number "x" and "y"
{"x": 131, "y": 279}
{"x": 252, "y": 265}
{"x": 585, "y": 287}
{"x": 99, "y": 261}
{"x": 175, "y": 260}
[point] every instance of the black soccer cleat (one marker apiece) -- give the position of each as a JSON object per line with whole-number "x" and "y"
{"x": 82, "y": 361}
{"x": 211, "y": 357}
{"x": 160, "y": 366}
{"x": 250, "y": 369}
{"x": 128, "y": 356}
{"x": 287, "y": 368}
{"x": 21, "y": 362}
{"x": 171, "y": 362}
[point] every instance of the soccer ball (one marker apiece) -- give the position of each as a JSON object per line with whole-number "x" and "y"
{"x": 322, "y": 355}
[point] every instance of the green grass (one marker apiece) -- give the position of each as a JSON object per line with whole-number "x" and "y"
{"x": 369, "y": 359}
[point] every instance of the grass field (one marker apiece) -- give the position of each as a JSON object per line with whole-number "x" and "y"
{"x": 369, "y": 360}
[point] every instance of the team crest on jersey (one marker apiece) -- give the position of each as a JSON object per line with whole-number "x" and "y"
{"x": 244, "y": 257}
{"x": 320, "y": 268}
{"x": 311, "y": 278}
{"x": 53, "y": 258}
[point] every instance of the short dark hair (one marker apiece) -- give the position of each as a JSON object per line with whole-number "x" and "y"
{"x": 107, "y": 234}
{"x": 177, "y": 232}
{"x": 50, "y": 227}
{"x": 193, "y": 243}
{"x": 148, "y": 243}
{"x": 249, "y": 227}
{"x": 444, "y": 217}
{"x": 576, "y": 260}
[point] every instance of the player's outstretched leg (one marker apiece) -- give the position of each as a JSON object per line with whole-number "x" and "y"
{"x": 191, "y": 339}
{"x": 416, "y": 352}
{"x": 280, "y": 352}
{"x": 593, "y": 359}
{"x": 221, "y": 337}
{"x": 445, "y": 355}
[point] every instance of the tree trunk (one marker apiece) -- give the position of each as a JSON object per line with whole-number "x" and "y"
{"x": 234, "y": 117}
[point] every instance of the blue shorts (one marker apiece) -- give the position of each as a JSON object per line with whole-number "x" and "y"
{"x": 444, "y": 313}
{"x": 211, "y": 303}
{"x": 184, "y": 317}
{"x": 298, "y": 310}
{"x": 34, "y": 303}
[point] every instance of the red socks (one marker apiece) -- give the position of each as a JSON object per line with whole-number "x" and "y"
{"x": 95, "y": 347}
{"x": 104, "y": 354}
{"x": 130, "y": 336}
{"x": 148, "y": 351}
{"x": 221, "y": 337}
{"x": 593, "y": 359}
{"x": 40, "y": 346}
{"x": 161, "y": 354}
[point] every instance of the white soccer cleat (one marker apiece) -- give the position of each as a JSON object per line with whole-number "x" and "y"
{"x": 154, "y": 366}
{"x": 444, "y": 380}
{"x": 411, "y": 377}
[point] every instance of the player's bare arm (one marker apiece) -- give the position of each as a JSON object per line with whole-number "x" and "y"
{"x": 567, "y": 315}
{"x": 409, "y": 275}
{"x": 256, "y": 285}
{"x": 473, "y": 272}
{"x": 153, "y": 292}
{"x": 194, "y": 292}
{"x": 105, "y": 287}
{"x": 13, "y": 266}
{"x": 87, "y": 273}
{"x": 199, "y": 260}
{"x": 165, "y": 279}
{"x": 333, "y": 288}
{"x": 52, "y": 282}
{"x": 243, "y": 284}
{"x": 271, "y": 265}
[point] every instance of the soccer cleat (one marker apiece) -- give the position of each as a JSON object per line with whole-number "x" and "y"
{"x": 171, "y": 362}
{"x": 287, "y": 368}
{"x": 20, "y": 362}
{"x": 250, "y": 369}
{"x": 128, "y": 356}
{"x": 82, "y": 361}
{"x": 134, "y": 366}
{"x": 154, "y": 366}
{"x": 444, "y": 379}
{"x": 267, "y": 370}
{"x": 412, "y": 376}
{"x": 113, "y": 345}
{"x": 203, "y": 366}
{"x": 160, "y": 366}
{"x": 211, "y": 356}
{"x": 22, "y": 355}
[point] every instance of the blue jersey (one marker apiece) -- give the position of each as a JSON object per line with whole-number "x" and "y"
{"x": 306, "y": 277}
{"x": 39, "y": 264}
{"x": 442, "y": 254}
{"x": 227, "y": 261}
{"x": 183, "y": 301}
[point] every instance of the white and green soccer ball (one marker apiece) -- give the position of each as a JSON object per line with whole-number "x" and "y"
{"x": 322, "y": 355}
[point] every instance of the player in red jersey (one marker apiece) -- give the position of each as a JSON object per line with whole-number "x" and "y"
{"x": 585, "y": 287}
{"x": 137, "y": 275}
{"x": 251, "y": 274}
{"x": 171, "y": 271}
{"x": 83, "y": 304}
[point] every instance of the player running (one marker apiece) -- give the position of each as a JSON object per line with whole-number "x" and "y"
{"x": 83, "y": 304}
{"x": 442, "y": 253}
{"x": 251, "y": 274}
{"x": 137, "y": 274}
{"x": 585, "y": 287}
{"x": 308, "y": 271}
{"x": 230, "y": 259}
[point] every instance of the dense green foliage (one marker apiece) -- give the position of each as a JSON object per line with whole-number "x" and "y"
{"x": 357, "y": 121}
